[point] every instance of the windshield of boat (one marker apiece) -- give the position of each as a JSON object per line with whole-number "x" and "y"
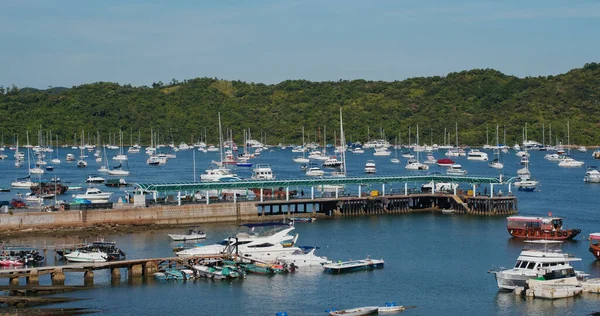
{"x": 260, "y": 230}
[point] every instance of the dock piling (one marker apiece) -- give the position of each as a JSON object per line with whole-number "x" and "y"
{"x": 58, "y": 277}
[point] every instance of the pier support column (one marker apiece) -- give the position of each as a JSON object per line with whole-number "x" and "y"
{"x": 207, "y": 197}
{"x": 33, "y": 278}
{"x": 510, "y": 187}
{"x": 359, "y": 189}
{"x": 433, "y": 187}
{"x": 115, "y": 275}
{"x": 261, "y": 194}
{"x": 474, "y": 190}
{"x": 88, "y": 278}
{"x": 312, "y": 192}
{"x": 383, "y": 189}
{"x": 135, "y": 270}
{"x": 234, "y": 197}
{"x": 58, "y": 277}
{"x": 491, "y": 190}
{"x": 406, "y": 188}
{"x": 150, "y": 267}
{"x": 14, "y": 280}
{"x": 179, "y": 198}
{"x": 337, "y": 192}
{"x": 287, "y": 193}
{"x": 455, "y": 186}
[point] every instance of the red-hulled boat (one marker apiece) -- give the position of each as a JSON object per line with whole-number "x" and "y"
{"x": 595, "y": 245}
{"x": 530, "y": 227}
{"x": 445, "y": 162}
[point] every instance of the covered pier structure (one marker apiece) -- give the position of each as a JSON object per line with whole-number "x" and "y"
{"x": 347, "y": 195}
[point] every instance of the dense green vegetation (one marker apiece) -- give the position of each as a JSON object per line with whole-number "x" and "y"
{"x": 180, "y": 111}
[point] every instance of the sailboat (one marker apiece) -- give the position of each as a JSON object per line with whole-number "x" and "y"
{"x": 121, "y": 156}
{"x": 496, "y": 163}
{"x": 118, "y": 171}
{"x": 414, "y": 164}
{"x": 569, "y": 162}
{"x": 25, "y": 182}
{"x": 302, "y": 159}
{"x": 395, "y": 159}
{"x": 104, "y": 168}
{"x": 81, "y": 163}
{"x": 407, "y": 154}
{"x": 56, "y": 159}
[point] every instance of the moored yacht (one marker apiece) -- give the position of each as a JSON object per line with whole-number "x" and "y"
{"x": 370, "y": 167}
{"x": 570, "y": 163}
{"x": 537, "y": 261}
{"x": 304, "y": 257}
{"x": 456, "y": 169}
{"x": 94, "y": 195}
{"x": 262, "y": 172}
{"x": 592, "y": 175}
{"x": 477, "y": 155}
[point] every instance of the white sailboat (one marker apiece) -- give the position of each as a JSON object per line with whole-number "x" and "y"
{"x": 121, "y": 156}
{"x": 302, "y": 159}
{"x": 395, "y": 159}
{"x": 569, "y": 162}
{"x": 25, "y": 182}
{"x": 416, "y": 164}
{"x": 496, "y": 163}
{"x": 56, "y": 159}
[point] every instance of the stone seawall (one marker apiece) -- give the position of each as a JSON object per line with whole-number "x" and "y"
{"x": 155, "y": 215}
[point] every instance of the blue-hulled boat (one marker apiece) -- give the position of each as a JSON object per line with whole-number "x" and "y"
{"x": 353, "y": 265}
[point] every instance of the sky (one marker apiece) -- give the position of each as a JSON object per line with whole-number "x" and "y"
{"x": 66, "y": 43}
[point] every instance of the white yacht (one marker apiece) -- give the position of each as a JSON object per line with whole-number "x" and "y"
{"x": 93, "y": 178}
{"x": 370, "y": 167}
{"x": 262, "y": 172}
{"x": 456, "y": 169}
{"x": 413, "y": 164}
{"x": 94, "y": 195}
{"x": 70, "y": 157}
{"x": 216, "y": 174}
{"x": 87, "y": 256}
{"x": 382, "y": 151}
{"x": 537, "y": 260}
{"x": 264, "y": 245}
{"x": 552, "y": 157}
{"x": 314, "y": 171}
{"x": 317, "y": 155}
{"x": 478, "y": 155}
{"x": 570, "y": 163}
{"x": 304, "y": 257}
{"x": 496, "y": 164}
{"x": 332, "y": 162}
{"x": 592, "y": 175}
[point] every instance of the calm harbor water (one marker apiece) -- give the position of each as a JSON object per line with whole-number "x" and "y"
{"x": 436, "y": 262}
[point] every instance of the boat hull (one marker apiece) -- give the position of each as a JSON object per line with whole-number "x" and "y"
{"x": 543, "y": 234}
{"x": 595, "y": 250}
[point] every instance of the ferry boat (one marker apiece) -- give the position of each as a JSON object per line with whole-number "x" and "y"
{"x": 538, "y": 260}
{"x": 595, "y": 244}
{"x": 530, "y": 227}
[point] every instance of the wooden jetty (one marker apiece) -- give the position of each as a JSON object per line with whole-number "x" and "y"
{"x": 135, "y": 268}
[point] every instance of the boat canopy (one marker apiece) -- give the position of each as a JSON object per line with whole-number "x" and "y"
{"x": 252, "y": 225}
{"x": 595, "y": 236}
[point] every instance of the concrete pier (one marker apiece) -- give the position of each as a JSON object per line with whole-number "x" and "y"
{"x": 58, "y": 277}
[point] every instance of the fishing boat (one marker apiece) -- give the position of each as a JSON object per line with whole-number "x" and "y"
{"x": 366, "y": 310}
{"x": 555, "y": 288}
{"x": 530, "y": 227}
{"x": 353, "y": 265}
{"x": 192, "y": 234}
{"x": 539, "y": 259}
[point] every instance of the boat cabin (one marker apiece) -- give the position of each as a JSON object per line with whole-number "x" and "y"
{"x": 530, "y": 222}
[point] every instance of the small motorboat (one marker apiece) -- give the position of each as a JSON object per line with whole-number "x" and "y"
{"x": 366, "y": 310}
{"x": 92, "y": 178}
{"x": 192, "y": 234}
{"x": 353, "y": 265}
{"x": 390, "y": 307}
{"x": 447, "y": 211}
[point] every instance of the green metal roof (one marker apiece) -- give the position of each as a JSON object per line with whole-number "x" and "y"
{"x": 307, "y": 182}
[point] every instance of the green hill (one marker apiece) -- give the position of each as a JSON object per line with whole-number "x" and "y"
{"x": 177, "y": 111}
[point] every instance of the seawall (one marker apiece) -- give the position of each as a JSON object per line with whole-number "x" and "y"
{"x": 154, "y": 215}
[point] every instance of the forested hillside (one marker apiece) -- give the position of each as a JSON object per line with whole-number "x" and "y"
{"x": 180, "y": 111}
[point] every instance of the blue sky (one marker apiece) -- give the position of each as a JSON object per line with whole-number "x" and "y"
{"x": 65, "y": 43}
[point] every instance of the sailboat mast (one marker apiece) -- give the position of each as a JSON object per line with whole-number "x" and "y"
{"x": 342, "y": 143}
{"x": 220, "y": 139}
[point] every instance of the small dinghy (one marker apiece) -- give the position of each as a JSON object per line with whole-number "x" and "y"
{"x": 366, "y": 310}
{"x": 192, "y": 234}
